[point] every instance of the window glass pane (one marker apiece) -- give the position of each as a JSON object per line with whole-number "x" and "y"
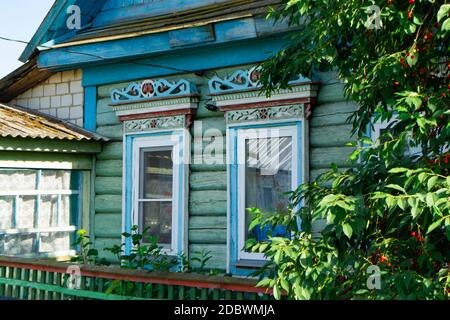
{"x": 68, "y": 208}
{"x": 26, "y": 212}
{"x": 6, "y": 212}
{"x": 157, "y": 175}
{"x": 17, "y": 244}
{"x": 268, "y": 175}
{"x": 17, "y": 180}
{"x": 55, "y": 242}
{"x": 157, "y": 216}
{"x": 48, "y": 212}
{"x": 55, "y": 180}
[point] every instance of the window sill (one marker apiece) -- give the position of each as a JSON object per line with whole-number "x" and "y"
{"x": 250, "y": 264}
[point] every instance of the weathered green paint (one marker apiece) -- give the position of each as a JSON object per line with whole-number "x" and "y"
{"x": 207, "y": 223}
{"x": 217, "y": 251}
{"x": 329, "y": 127}
{"x": 108, "y": 203}
{"x": 114, "y": 132}
{"x": 44, "y": 160}
{"x": 106, "y": 119}
{"x": 209, "y": 236}
{"x": 108, "y": 185}
{"x": 49, "y": 145}
{"x": 208, "y": 203}
{"x": 51, "y": 288}
{"x": 111, "y": 151}
{"x": 111, "y": 225}
{"x": 331, "y": 136}
{"x": 208, "y": 180}
{"x": 322, "y": 158}
{"x": 109, "y": 168}
{"x": 107, "y": 242}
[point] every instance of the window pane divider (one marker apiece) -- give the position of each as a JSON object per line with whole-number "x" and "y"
{"x": 37, "y": 230}
{"x": 39, "y": 193}
{"x": 155, "y": 200}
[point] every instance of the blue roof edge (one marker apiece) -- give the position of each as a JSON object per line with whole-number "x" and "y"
{"x": 56, "y": 18}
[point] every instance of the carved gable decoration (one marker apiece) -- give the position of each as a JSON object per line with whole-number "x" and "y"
{"x": 151, "y": 103}
{"x": 242, "y": 90}
{"x": 152, "y": 89}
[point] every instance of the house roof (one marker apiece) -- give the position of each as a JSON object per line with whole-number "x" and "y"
{"x": 54, "y": 24}
{"x": 168, "y": 22}
{"x": 18, "y": 122}
{"x": 22, "y": 79}
{"x": 151, "y": 17}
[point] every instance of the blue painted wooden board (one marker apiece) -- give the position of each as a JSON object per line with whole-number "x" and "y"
{"x": 115, "y": 11}
{"x": 245, "y": 52}
{"x": 191, "y": 36}
{"x": 151, "y": 44}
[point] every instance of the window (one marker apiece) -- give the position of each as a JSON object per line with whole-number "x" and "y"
{"x": 38, "y": 211}
{"x": 157, "y": 189}
{"x": 268, "y": 167}
{"x": 156, "y": 193}
{"x": 380, "y": 128}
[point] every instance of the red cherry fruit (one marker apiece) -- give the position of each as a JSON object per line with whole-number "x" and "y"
{"x": 410, "y": 13}
{"x": 411, "y": 1}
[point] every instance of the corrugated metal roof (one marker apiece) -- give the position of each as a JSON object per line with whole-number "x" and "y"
{"x": 18, "y": 122}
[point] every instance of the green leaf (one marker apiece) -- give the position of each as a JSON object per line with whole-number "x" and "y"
{"x": 414, "y": 100}
{"x": 432, "y": 182}
{"x": 391, "y": 201}
{"x": 413, "y": 57}
{"x": 277, "y": 292}
{"x": 430, "y": 199}
{"x": 306, "y": 294}
{"x": 264, "y": 283}
{"x": 348, "y": 230}
{"x": 398, "y": 170}
{"x": 284, "y": 284}
{"x": 435, "y": 225}
{"x": 446, "y": 25}
{"x": 396, "y": 187}
{"x": 448, "y": 181}
{"x": 402, "y": 203}
{"x": 263, "y": 247}
{"x": 443, "y": 11}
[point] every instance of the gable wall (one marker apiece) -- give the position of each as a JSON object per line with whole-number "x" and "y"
{"x": 61, "y": 96}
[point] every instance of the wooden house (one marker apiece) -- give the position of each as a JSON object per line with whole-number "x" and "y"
{"x": 170, "y": 88}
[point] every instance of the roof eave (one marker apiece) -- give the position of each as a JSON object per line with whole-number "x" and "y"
{"x": 22, "y": 79}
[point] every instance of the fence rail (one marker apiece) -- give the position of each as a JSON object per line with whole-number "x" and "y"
{"x": 30, "y": 279}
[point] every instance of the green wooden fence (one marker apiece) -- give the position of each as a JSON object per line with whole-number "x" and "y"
{"x": 29, "y": 279}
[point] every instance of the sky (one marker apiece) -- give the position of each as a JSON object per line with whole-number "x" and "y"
{"x": 19, "y": 19}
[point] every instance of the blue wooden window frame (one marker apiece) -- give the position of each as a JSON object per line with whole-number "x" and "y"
{"x": 234, "y": 266}
{"x": 180, "y": 197}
